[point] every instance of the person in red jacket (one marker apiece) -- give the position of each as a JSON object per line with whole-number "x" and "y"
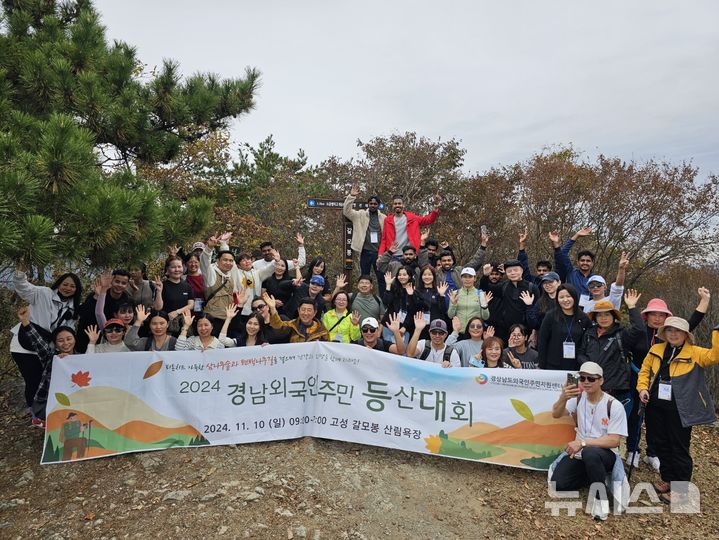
{"x": 403, "y": 227}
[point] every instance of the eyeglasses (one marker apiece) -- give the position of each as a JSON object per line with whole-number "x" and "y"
{"x": 259, "y": 307}
{"x": 367, "y": 329}
{"x": 584, "y": 378}
{"x": 114, "y": 330}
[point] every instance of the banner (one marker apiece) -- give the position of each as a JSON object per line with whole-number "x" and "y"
{"x": 106, "y": 404}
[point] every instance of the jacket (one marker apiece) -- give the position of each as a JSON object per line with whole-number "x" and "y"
{"x": 689, "y": 388}
{"x": 387, "y": 263}
{"x": 552, "y": 335}
{"x": 360, "y": 222}
{"x": 467, "y": 306}
{"x": 414, "y": 222}
{"x": 315, "y": 332}
{"x": 347, "y": 331}
{"x": 567, "y": 272}
{"x": 512, "y": 309}
{"x": 611, "y": 349}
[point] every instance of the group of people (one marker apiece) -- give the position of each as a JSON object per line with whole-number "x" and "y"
{"x": 425, "y": 306}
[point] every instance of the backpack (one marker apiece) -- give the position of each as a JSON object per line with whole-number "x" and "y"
{"x": 609, "y": 410}
{"x": 446, "y": 355}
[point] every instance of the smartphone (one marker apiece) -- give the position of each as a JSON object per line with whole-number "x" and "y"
{"x": 572, "y": 379}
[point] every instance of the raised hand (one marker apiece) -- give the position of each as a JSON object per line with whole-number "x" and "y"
{"x": 584, "y": 231}
{"x": 454, "y": 296}
{"x": 624, "y": 260}
{"x": 105, "y": 280}
{"x": 341, "y": 282}
{"x": 187, "y": 321}
{"x": 172, "y": 250}
{"x": 523, "y": 237}
{"x": 442, "y": 288}
{"x": 92, "y": 334}
{"x": 456, "y": 324}
{"x": 489, "y": 332}
{"x": 275, "y": 255}
{"x": 514, "y": 361}
{"x": 231, "y": 311}
{"x": 270, "y": 301}
{"x": 631, "y": 298}
{"x": 444, "y": 244}
{"x": 212, "y": 242}
{"x": 483, "y": 236}
{"x": 394, "y": 247}
{"x": 23, "y": 315}
{"x": 554, "y": 238}
{"x": 242, "y": 297}
{"x": 526, "y": 297}
{"x": 704, "y": 294}
{"x": 393, "y": 324}
{"x": 409, "y": 289}
{"x": 388, "y": 279}
{"x": 355, "y": 320}
{"x": 158, "y": 285}
{"x": 419, "y": 321}
{"x": 424, "y": 235}
{"x": 225, "y": 236}
{"x": 488, "y": 296}
{"x": 297, "y": 281}
{"x": 355, "y": 189}
{"x": 141, "y": 314}
{"x": 486, "y": 269}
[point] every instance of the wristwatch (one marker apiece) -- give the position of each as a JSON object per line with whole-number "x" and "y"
{"x": 584, "y": 444}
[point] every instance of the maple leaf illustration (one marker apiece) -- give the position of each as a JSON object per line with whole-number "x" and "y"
{"x": 81, "y": 378}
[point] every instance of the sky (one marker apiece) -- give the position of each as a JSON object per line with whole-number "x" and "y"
{"x": 637, "y": 80}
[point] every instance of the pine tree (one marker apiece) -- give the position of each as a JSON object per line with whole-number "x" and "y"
{"x": 76, "y": 120}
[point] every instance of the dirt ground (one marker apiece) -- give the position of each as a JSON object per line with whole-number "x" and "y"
{"x": 307, "y": 488}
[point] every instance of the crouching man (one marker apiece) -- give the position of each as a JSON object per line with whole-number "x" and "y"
{"x": 601, "y": 421}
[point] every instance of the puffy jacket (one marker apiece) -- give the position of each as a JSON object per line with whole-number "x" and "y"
{"x": 414, "y": 222}
{"x": 610, "y": 350}
{"x": 467, "y": 306}
{"x": 315, "y": 332}
{"x": 689, "y": 388}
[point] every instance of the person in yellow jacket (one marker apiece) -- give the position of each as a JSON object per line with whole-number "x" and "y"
{"x": 304, "y": 328}
{"x": 342, "y": 325}
{"x": 672, "y": 384}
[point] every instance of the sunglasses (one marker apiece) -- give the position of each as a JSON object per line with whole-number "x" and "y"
{"x": 114, "y": 330}
{"x": 584, "y": 378}
{"x": 476, "y": 327}
{"x": 594, "y": 286}
{"x": 258, "y": 307}
{"x": 436, "y": 332}
{"x": 367, "y": 329}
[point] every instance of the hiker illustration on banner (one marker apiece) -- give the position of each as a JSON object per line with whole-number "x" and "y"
{"x": 103, "y": 405}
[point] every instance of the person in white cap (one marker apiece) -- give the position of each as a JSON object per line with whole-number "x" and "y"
{"x": 371, "y": 335}
{"x": 673, "y": 386}
{"x": 597, "y": 286}
{"x": 601, "y": 422}
{"x": 467, "y": 302}
{"x": 434, "y": 350}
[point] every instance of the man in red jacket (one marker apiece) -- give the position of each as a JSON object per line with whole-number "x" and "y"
{"x": 403, "y": 227}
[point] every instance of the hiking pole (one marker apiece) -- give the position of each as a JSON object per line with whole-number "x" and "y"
{"x": 640, "y": 421}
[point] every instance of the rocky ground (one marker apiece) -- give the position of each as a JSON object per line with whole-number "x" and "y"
{"x": 307, "y": 488}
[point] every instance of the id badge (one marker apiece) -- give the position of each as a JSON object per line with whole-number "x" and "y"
{"x": 425, "y": 315}
{"x": 373, "y": 237}
{"x": 569, "y": 349}
{"x": 583, "y": 301}
{"x": 402, "y": 315}
{"x": 338, "y": 337}
{"x": 198, "y": 304}
{"x": 665, "y": 391}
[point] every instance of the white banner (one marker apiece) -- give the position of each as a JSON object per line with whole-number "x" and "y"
{"x": 106, "y": 404}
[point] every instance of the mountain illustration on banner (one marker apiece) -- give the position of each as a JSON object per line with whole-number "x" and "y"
{"x": 87, "y": 424}
{"x": 533, "y": 443}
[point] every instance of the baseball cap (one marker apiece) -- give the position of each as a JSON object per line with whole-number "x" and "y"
{"x": 114, "y": 322}
{"x": 468, "y": 271}
{"x": 198, "y": 245}
{"x": 551, "y": 276}
{"x": 438, "y": 324}
{"x": 596, "y": 279}
{"x": 318, "y": 280}
{"x": 370, "y": 321}
{"x": 591, "y": 368}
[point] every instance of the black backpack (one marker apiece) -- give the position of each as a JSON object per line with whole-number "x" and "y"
{"x": 446, "y": 355}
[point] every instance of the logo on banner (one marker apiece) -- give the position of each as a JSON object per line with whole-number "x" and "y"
{"x": 482, "y": 379}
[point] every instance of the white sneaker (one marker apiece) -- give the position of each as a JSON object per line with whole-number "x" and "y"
{"x": 600, "y": 510}
{"x": 633, "y": 459}
{"x": 652, "y": 461}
